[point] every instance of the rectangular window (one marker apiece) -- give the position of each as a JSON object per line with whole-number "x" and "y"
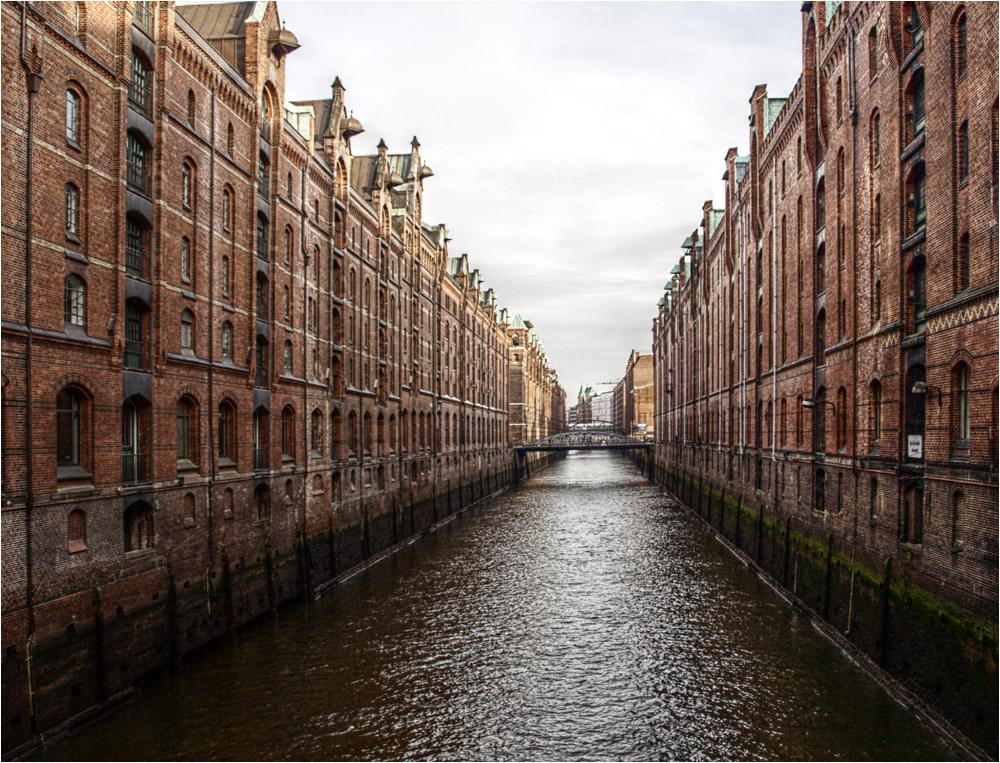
{"x": 137, "y": 170}
{"x": 135, "y": 255}
{"x": 138, "y": 87}
{"x": 134, "y": 339}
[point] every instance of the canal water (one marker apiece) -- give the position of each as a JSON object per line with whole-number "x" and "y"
{"x": 583, "y": 615}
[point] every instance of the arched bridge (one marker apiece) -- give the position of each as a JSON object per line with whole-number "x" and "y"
{"x": 592, "y": 435}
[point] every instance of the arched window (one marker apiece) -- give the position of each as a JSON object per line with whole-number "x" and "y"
{"x": 289, "y": 245}
{"x": 227, "y": 341}
{"x": 261, "y": 377}
{"x": 798, "y": 157}
{"x": 187, "y": 428}
{"x": 841, "y": 419}
{"x": 913, "y": 29}
{"x": 875, "y": 402}
{"x": 227, "y": 434}
{"x": 392, "y": 433}
{"x": 226, "y": 276}
{"x": 138, "y": 520}
{"x": 261, "y": 439}
{"x": 875, "y": 140}
{"x": 140, "y": 96}
{"x": 352, "y": 433}
{"x": 187, "y": 331}
{"x": 263, "y": 176}
{"x": 190, "y": 107}
{"x": 71, "y": 432}
{"x": 840, "y": 99}
{"x": 819, "y": 498}
{"x": 918, "y": 294}
{"x": 821, "y": 270}
{"x": 74, "y": 301}
{"x": 877, "y": 304}
{"x": 336, "y": 435}
{"x": 841, "y": 174}
{"x": 288, "y": 433}
{"x": 76, "y": 531}
{"x": 72, "y": 212}
{"x": 261, "y": 297}
{"x": 262, "y": 503}
{"x": 877, "y": 218}
{"x": 135, "y": 440}
{"x": 821, "y": 337}
{"x": 316, "y": 433}
{"x": 913, "y": 514}
{"x": 288, "y": 359}
{"x": 73, "y": 117}
{"x": 187, "y": 173}
{"x": 189, "y": 510}
{"x": 961, "y": 52}
{"x": 915, "y": 114}
{"x": 230, "y": 140}
{"x": 185, "y": 259}
{"x": 367, "y": 433}
{"x": 872, "y": 53}
{"x": 227, "y": 209}
{"x": 961, "y": 379}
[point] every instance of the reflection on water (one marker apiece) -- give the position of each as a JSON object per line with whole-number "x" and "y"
{"x": 580, "y": 616}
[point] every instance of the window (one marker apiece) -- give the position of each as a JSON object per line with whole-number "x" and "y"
{"x": 261, "y": 297}
{"x": 841, "y": 175}
{"x": 962, "y": 263}
{"x": 261, "y": 451}
{"x": 913, "y": 28}
{"x": 139, "y": 96}
{"x": 227, "y": 341}
{"x": 821, "y": 338}
{"x": 138, "y": 165}
{"x": 227, "y": 209}
{"x": 262, "y": 503}
{"x": 287, "y": 303}
{"x": 962, "y": 153}
{"x": 261, "y": 236}
{"x": 841, "y": 419}
{"x": 961, "y": 52}
{"x": 225, "y": 276}
{"x": 138, "y": 527}
{"x": 262, "y": 176}
{"x": 227, "y": 432}
{"x": 316, "y": 433}
{"x": 260, "y": 378}
{"x": 877, "y": 218}
{"x": 820, "y": 205}
{"x": 186, "y": 424}
{"x": 915, "y": 116}
{"x": 74, "y": 301}
{"x": 963, "y": 407}
{"x": 798, "y": 157}
{"x": 135, "y": 441}
{"x": 352, "y": 433}
{"x": 70, "y": 406}
{"x": 288, "y": 432}
{"x": 135, "y": 247}
{"x": 72, "y": 117}
{"x": 135, "y": 335}
{"x": 875, "y": 394}
{"x": 876, "y": 139}
{"x": 185, "y": 259}
{"x": 913, "y": 515}
{"x": 230, "y": 140}
{"x": 288, "y": 358}
{"x": 187, "y": 331}
{"x": 872, "y": 53}
{"x": 840, "y": 100}
{"x": 76, "y": 531}
{"x": 190, "y": 107}
{"x": 72, "y": 211}
{"x": 821, "y": 270}
{"x": 289, "y": 245}
{"x": 917, "y": 200}
{"x": 142, "y": 16}
{"x": 186, "y": 185}
{"x": 877, "y": 306}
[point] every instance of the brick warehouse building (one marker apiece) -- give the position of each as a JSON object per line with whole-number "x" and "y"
{"x": 237, "y": 361}
{"x": 826, "y": 350}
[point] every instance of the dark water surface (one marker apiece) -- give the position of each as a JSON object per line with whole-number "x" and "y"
{"x": 582, "y": 615}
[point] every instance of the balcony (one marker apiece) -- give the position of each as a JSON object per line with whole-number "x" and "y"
{"x": 261, "y": 459}
{"x": 135, "y": 468}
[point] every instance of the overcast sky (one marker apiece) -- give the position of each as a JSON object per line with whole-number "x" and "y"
{"x": 573, "y": 144}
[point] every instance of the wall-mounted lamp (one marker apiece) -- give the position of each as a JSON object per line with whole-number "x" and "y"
{"x": 811, "y": 402}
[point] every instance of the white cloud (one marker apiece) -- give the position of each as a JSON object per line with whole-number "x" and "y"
{"x": 573, "y": 144}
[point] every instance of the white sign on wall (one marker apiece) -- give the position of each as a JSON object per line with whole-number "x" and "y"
{"x": 915, "y": 446}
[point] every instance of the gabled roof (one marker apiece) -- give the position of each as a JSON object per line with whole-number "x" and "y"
{"x": 363, "y": 174}
{"x": 715, "y": 217}
{"x": 772, "y": 108}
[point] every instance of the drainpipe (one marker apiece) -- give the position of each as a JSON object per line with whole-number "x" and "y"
{"x": 33, "y": 83}
{"x": 774, "y": 312}
{"x": 211, "y": 344}
{"x": 853, "y": 102}
{"x": 305, "y": 343}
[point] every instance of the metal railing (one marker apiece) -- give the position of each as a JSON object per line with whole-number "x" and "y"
{"x": 135, "y": 262}
{"x": 135, "y": 354}
{"x": 135, "y": 468}
{"x": 137, "y": 177}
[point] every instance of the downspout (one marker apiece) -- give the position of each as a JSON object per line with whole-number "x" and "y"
{"x": 33, "y": 82}
{"x": 211, "y": 343}
{"x": 853, "y": 99}
{"x": 305, "y": 342}
{"x": 774, "y": 312}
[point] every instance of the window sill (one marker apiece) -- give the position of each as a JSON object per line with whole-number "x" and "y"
{"x": 186, "y": 465}
{"x": 72, "y": 474}
{"x": 74, "y": 145}
{"x": 226, "y": 463}
{"x": 76, "y": 546}
{"x": 188, "y": 522}
{"x": 72, "y": 237}
{"x": 287, "y": 459}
